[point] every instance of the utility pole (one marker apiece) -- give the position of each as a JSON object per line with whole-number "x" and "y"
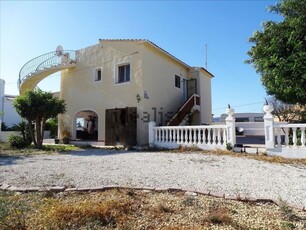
{"x": 206, "y": 56}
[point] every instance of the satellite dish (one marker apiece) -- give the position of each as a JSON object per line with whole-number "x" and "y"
{"x": 59, "y": 50}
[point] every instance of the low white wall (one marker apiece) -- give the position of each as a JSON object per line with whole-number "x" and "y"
{"x": 289, "y": 152}
{"x": 4, "y": 135}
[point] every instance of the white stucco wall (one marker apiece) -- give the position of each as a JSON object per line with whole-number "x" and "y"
{"x": 10, "y": 116}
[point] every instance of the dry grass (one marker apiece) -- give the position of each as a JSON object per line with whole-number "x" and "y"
{"x": 7, "y": 151}
{"x": 260, "y": 156}
{"x": 129, "y": 209}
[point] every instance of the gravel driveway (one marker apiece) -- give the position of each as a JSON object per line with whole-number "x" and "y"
{"x": 96, "y": 168}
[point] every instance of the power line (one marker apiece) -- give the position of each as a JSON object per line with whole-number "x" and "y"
{"x": 235, "y": 106}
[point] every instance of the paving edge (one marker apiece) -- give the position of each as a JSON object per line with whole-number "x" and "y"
{"x": 58, "y": 189}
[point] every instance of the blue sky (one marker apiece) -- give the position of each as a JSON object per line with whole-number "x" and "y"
{"x": 183, "y": 28}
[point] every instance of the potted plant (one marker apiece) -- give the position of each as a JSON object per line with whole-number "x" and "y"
{"x": 56, "y": 140}
{"x": 66, "y": 136}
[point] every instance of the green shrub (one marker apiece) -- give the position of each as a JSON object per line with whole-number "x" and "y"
{"x": 52, "y": 126}
{"x": 229, "y": 146}
{"x": 17, "y": 142}
{"x": 23, "y": 128}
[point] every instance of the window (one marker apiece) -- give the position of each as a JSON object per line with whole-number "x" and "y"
{"x": 123, "y": 73}
{"x": 242, "y": 119}
{"x": 177, "y": 81}
{"x": 98, "y": 75}
{"x": 258, "y": 119}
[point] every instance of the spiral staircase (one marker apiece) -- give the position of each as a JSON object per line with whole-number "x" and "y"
{"x": 43, "y": 66}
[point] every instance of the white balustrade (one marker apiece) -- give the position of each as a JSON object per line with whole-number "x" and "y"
{"x": 285, "y": 132}
{"x": 200, "y": 136}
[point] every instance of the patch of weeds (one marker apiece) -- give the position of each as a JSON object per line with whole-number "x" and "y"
{"x": 218, "y": 215}
{"x": 131, "y": 193}
{"x": 287, "y": 225}
{"x": 57, "y": 214}
{"x": 159, "y": 210}
{"x": 188, "y": 149}
{"x": 189, "y": 201}
{"x": 5, "y": 146}
{"x": 88, "y": 146}
{"x": 260, "y": 157}
{"x": 48, "y": 194}
{"x": 163, "y": 208}
{"x": 60, "y": 148}
{"x": 6, "y": 150}
{"x": 287, "y": 212}
{"x": 13, "y": 213}
{"x": 233, "y": 211}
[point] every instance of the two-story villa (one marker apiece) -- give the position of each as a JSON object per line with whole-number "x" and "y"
{"x": 114, "y": 88}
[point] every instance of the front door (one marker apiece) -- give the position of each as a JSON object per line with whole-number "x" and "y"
{"x": 184, "y": 88}
{"x": 121, "y": 126}
{"x": 191, "y": 87}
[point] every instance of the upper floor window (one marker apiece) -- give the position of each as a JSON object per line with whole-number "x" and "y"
{"x": 177, "y": 81}
{"x": 98, "y": 75}
{"x": 123, "y": 74}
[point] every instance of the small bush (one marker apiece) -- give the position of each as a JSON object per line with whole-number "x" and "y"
{"x": 189, "y": 201}
{"x": 23, "y": 128}
{"x": 17, "y": 142}
{"x": 229, "y": 146}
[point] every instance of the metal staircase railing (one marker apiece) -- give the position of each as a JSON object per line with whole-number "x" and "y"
{"x": 44, "y": 62}
{"x": 184, "y": 110}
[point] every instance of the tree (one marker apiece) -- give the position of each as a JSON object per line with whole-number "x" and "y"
{"x": 279, "y": 52}
{"x": 37, "y": 107}
{"x": 287, "y": 112}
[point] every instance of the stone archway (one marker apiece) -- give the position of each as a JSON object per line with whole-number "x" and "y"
{"x": 87, "y": 125}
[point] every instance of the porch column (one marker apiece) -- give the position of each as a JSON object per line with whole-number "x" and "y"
{"x": 231, "y": 127}
{"x": 151, "y": 125}
{"x": 268, "y": 124}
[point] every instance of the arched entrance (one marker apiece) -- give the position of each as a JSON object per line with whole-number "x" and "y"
{"x": 86, "y": 125}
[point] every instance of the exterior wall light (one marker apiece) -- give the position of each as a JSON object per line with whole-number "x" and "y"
{"x": 138, "y": 98}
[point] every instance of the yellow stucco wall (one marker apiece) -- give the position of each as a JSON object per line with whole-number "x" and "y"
{"x": 152, "y": 71}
